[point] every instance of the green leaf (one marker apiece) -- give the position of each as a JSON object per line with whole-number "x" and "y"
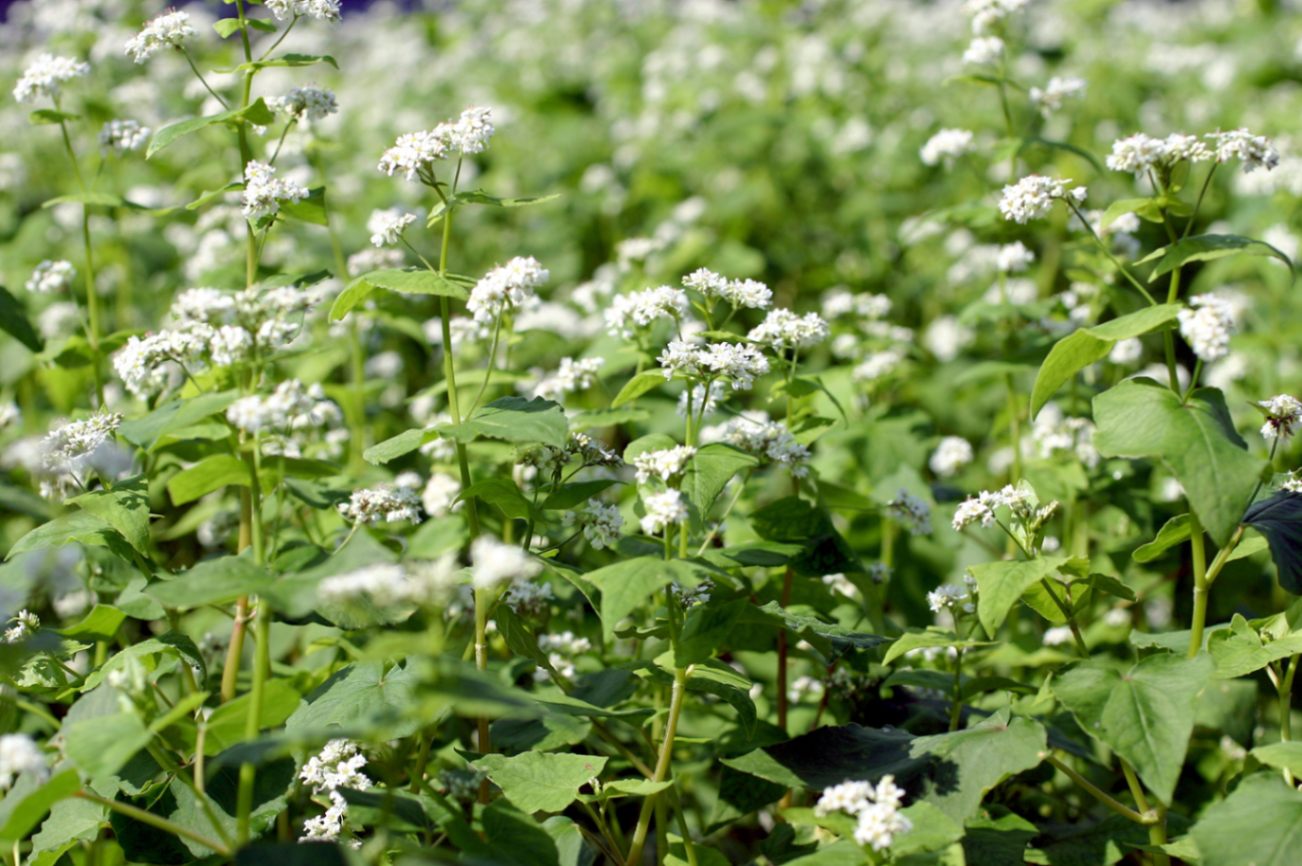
{"x": 1086, "y": 346}
{"x": 709, "y": 469}
{"x": 226, "y": 26}
{"x": 14, "y": 322}
{"x": 1286, "y": 755}
{"x": 570, "y": 496}
{"x": 362, "y": 696}
{"x": 1173, "y": 533}
{"x": 417, "y": 281}
{"x": 514, "y": 419}
{"x": 476, "y": 196}
{"x": 102, "y": 745}
{"x": 125, "y": 508}
{"x": 1205, "y": 248}
{"x": 1196, "y": 441}
{"x": 227, "y": 725}
{"x": 1239, "y": 650}
{"x": 975, "y": 760}
{"x": 716, "y": 678}
{"x": 25, "y": 804}
{"x": 1000, "y": 585}
{"x": 147, "y": 432}
{"x": 48, "y": 117}
{"x": 256, "y": 113}
{"x": 1259, "y": 824}
{"x": 311, "y": 209}
{"x": 934, "y": 636}
{"x": 213, "y": 581}
{"x": 396, "y": 446}
{"x": 77, "y": 527}
{"x": 292, "y": 60}
{"x": 209, "y": 474}
{"x": 640, "y": 384}
{"x": 540, "y": 781}
{"x": 101, "y": 623}
{"x": 502, "y": 494}
{"x": 1144, "y": 713}
{"x": 626, "y": 585}
{"x": 705, "y": 629}
{"x": 1144, "y": 208}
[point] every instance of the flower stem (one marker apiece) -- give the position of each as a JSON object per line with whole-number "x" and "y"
{"x": 1201, "y": 585}
{"x": 662, "y": 764}
{"x": 155, "y": 821}
{"x": 92, "y": 299}
{"x": 1096, "y": 792}
{"x": 1284, "y": 689}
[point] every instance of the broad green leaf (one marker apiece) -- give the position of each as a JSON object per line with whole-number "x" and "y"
{"x": 541, "y": 781}
{"x": 1144, "y": 713}
{"x": 1259, "y": 824}
{"x": 502, "y": 494}
{"x": 1286, "y": 755}
{"x": 146, "y": 432}
{"x": 418, "y": 281}
{"x": 640, "y": 384}
{"x": 1205, "y": 248}
{"x": 1173, "y": 533}
{"x": 291, "y": 60}
{"x": 830, "y": 755}
{"x": 172, "y": 645}
{"x": 1083, "y": 347}
{"x": 1239, "y": 650}
{"x": 14, "y": 322}
{"x": 209, "y": 474}
{"x": 397, "y": 446}
{"x": 125, "y": 508}
{"x": 934, "y": 636}
{"x": 709, "y": 469}
{"x": 213, "y": 581}
{"x": 227, "y": 724}
{"x": 311, "y": 209}
{"x": 975, "y": 760}
{"x": 256, "y": 113}
{"x": 570, "y": 496}
{"x": 625, "y": 586}
{"x": 828, "y": 638}
{"x": 716, "y": 678}
{"x": 514, "y": 419}
{"x": 26, "y": 803}
{"x": 362, "y": 696}
{"x": 1000, "y": 585}
{"x": 49, "y": 117}
{"x": 101, "y": 623}
{"x": 1196, "y": 441}
{"x": 476, "y": 196}
{"x": 705, "y": 629}
{"x": 101, "y": 746}
{"x": 77, "y": 527}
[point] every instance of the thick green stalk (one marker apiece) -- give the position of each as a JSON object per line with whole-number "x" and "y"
{"x": 262, "y": 650}
{"x": 1202, "y": 585}
{"x": 1157, "y": 826}
{"x": 1112, "y": 803}
{"x": 92, "y": 299}
{"x": 662, "y": 765}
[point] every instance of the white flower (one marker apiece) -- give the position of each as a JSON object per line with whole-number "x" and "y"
{"x": 339, "y": 765}
{"x": 305, "y": 103}
{"x": 601, "y": 523}
{"x": 322, "y": 10}
{"x": 25, "y": 622}
{"x": 912, "y": 512}
{"x": 383, "y": 583}
{"x": 51, "y": 276}
{"x": 1283, "y": 414}
{"x": 1136, "y": 153}
{"x": 1056, "y": 92}
{"x": 413, "y": 155}
{"x": 494, "y": 562}
{"x": 877, "y": 809}
{"x": 663, "y": 510}
{"x": 169, "y": 29}
{"x": 951, "y": 455}
{"x": 1033, "y": 196}
{"x": 1126, "y": 351}
{"x": 69, "y": 447}
{"x": 738, "y": 363}
{"x": 1014, "y": 258}
{"x": 264, "y": 192}
{"x": 783, "y": 329}
{"x": 571, "y": 376}
{"x": 878, "y": 826}
{"x": 440, "y": 494}
{"x": 640, "y": 309}
{"x": 877, "y": 366}
{"x": 387, "y": 503}
{"x": 751, "y": 294}
{"x": 950, "y": 596}
{"x": 1055, "y": 433}
{"x": 1206, "y": 325}
{"x": 663, "y": 465}
{"x": 123, "y": 136}
{"x": 386, "y": 226}
{"x": 506, "y": 288}
{"x": 984, "y": 51}
{"x": 946, "y": 146}
{"x": 19, "y": 754}
{"x": 1255, "y": 151}
{"x": 755, "y": 433}
{"x": 292, "y": 406}
{"x": 989, "y": 14}
{"x": 46, "y": 75}
{"x": 1058, "y": 635}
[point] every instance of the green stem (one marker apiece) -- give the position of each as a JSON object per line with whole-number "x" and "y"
{"x": 1107, "y": 252}
{"x": 662, "y": 764}
{"x": 1157, "y": 826}
{"x": 1096, "y": 792}
{"x": 1069, "y": 615}
{"x": 1201, "y": 585}
{"x": 155, "y": 821}
{"x": 1284, "y": 689}
{"x": 206, "y": 86}
{"x": 262, "y": 649}
{"x": 92, "y": 299}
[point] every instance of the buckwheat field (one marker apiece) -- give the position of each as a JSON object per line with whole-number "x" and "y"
{"x": 691, "y": 432}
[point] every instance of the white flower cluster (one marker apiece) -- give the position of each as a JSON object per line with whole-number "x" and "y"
{"x": 506, "y": 288}
{"x": 984, "y": 51}
{"x": 560, "y": 649}
{"x": 1033, "y": 196}
{"x": 387, "y": 503}
{"x": 439, "y": 497}
{"x": 876, "y": 808}
{"x": 19, "y": 754}
{"x": 170, "y": 29}
{"x": 912, "y": 512}
{"x": 1059, "y": 635}
{"x": 640, "y": 309}
{"x": 990, "y": 14}
{"x": 751, "y": 294}
{"x": 386, "y": 226}
{"x": 305, "y": 103}
{"x": 46, "y": 76}
{"x": 1140, "y": 153}
{"x": 755, "y": 433}
{"x": 292, "y": 406}
{"x": 1019, "y": 500}
{"x": 946, "y": 146}
{"x": 783, "y": 329}
{"x": 339, "y": 765}
{"x": 1013, "y": 258}
{"x": 740, "y": 364}
{"x": 878, "y": 365}
{"x": 390, "y": 584}
{"x": 123, "y": 136}
{"x": 495, "y": 562}
{"x": 601, "y": 523}
{"x": 571, "y": 376}
{"x": 1206, "y": 325}
{"x": 264, "y": 192}
{"x": 663, "y": 510}
{"x": 25, "y": 622}
{"x": 1283, "y": 414}
{"x": 866, "y": 305}
{"x": 69, "y": 447}
{"x": 51, "y": 276}
{"x": 1056, "y": 433}
{"x": 413, "y": 154}
{"x": 322, "y": 10}
{"x": 1055, "y": 94}
{"x": 950, "y": 456}
{"x": 664, "y": 465}
{"x": 526, "y": 598}
{"x": 951, "y": 597}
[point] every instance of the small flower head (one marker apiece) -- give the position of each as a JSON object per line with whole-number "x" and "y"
{"x": 51, "y": 276}
{"x": 46, "y": 77}
{"x": 1206, "y": 325}
{"x": 950, "y": 456}
{"x": 1283, "y": 414}
{"x": 169, "y": 30}
{"x": 305, "y": 103}
{"x": 1254, "y": 151}
{"x": 1055, "y": 94}
{"x": 1033, "y": 196}
{"x": 783, "y": 329}
{"x": 664, "y": 465}
{"x": 19, "y": 754}
{"x": 123, "y": 136}
{"x": 506, "y": 288}
{"x": 264, "y": 192}
{"x": 946, "y": 146}
{"x": 385, "y": 504}
{"x": 414, "y": 154}
{"x": 984, "y": 51}
{"x": 322, "y": 10}
{"x": 912, "y": 512}
{"x": 663, "y": 510}
{"x": 68, "y": 447}
{"x": 494, "y": 562}
{"x": 386, "y": 226}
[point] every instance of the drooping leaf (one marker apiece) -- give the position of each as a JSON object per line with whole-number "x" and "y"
{"x": 363, "y": 696}
{"x": 1279, "y": 518}
{"x": 647, "y": 380}
{"x": 1145, "y": 713}
{"x": 1195, "y": 440}
{"x": 146, "y": 432}
{"x": 213, "y": 581}
{"x": 1205, "y": 248}
{"x": 125, "y": 507}
{"x": 256, "y": 113}
{"x": 26, "y": 803}
{"x": 709, "y": 470}
{"x": 1173, "y": 533}
{"x": 211, "y": 473}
